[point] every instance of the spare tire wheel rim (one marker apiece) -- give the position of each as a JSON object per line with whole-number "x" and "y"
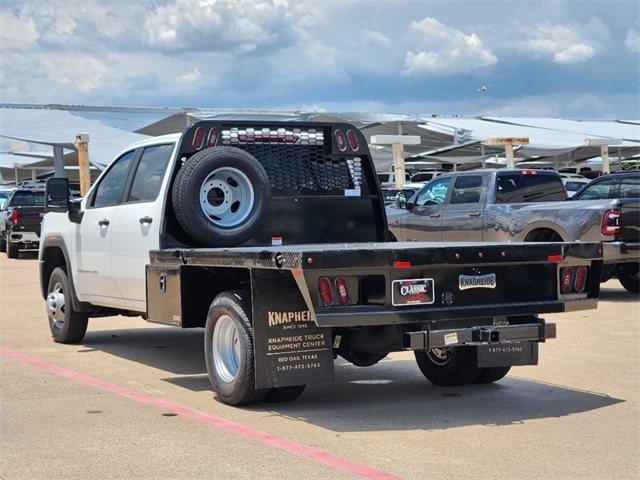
{"x": 227, "y": 197}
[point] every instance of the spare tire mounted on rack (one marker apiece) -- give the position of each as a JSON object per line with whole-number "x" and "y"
{"x": 221, "y": 196}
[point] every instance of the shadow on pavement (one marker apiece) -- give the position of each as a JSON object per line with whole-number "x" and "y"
{"x": 392, "y": 395}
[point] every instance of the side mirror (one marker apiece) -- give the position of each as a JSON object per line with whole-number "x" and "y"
{"x": 56, "y": 195}
{"x": 409, "y": 206}
{"x": 401, "y": 200}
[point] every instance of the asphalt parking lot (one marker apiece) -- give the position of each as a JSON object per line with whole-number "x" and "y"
{"x": 133, "y": 401}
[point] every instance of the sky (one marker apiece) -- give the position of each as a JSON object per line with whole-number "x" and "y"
{"x": 543, "y": 58}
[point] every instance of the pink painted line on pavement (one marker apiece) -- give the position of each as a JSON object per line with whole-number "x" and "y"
{"x": 218, "y": 422}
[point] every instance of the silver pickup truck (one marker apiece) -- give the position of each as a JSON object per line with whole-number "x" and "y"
{"x": 520, "y": 206}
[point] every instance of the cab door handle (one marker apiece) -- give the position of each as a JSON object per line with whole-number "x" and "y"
{"x": 103, "y": 223}
{"x": 146, "y": 220}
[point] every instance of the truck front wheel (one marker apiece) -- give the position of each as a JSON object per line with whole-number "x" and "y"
{"x": 67, "y": 325}
{"x": 228, "y": 347}
{"x": 449, "y": 367}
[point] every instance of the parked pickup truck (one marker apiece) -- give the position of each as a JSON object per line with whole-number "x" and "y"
{"x": 519, "y": 206}
{"x": 20, "y": 219}
{"x": 273, "y": 237}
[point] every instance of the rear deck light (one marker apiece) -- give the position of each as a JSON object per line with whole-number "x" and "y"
{"x": 14, "y": 218}
{"x": 566, "y": 280}
{"x": 611, "y": 222}
{"x": 198, "y": 138}
{"x": 580, "y": 281}
{"x": 342, "y": 144}
{"x": 528, "y": 172}
{"x": 343, "y": 291}
{"x": 213, "y": 138}
{"x": 353, "y": 140}
{"x": 325, "y": 291}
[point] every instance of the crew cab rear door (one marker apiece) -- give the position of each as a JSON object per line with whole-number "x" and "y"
{"x": 93, "y": 279}
{"x": 136, "y": 223}
{"x": 463, "y": 215}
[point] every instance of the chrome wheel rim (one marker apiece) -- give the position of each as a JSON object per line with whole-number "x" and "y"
{"x": 56, "y": 305}
{"x": 226, "y": 349}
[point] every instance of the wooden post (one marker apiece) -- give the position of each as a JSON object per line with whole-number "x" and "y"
{"x": 604, "y": 149}
{"x": 507, "y": 143}
{"x": 396, "y": 141}
{"x": 82, "y": 143}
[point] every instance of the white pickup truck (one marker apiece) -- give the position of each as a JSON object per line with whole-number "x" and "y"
{"x": 273, "y": 237}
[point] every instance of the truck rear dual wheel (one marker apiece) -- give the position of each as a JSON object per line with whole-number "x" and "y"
{"x": 629, "y": 277}
{"x": 221, "y": 196}
{"x": 449, "y": 367}
{"x": 228, "y": 346}
{"x": 67, "y": 325}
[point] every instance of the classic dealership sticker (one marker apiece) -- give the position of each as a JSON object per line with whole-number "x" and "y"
{"x": 417, "y": 291}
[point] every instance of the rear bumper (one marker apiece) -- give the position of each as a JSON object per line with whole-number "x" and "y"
{"x": 24, "y": 238}
{"x": 486, "y": 335}
{"x": 620, "y": 252}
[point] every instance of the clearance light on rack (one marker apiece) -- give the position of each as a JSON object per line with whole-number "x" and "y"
{"x": 353, "y": 140}
{"x": 340, "y": 140}
{"x": 198, "y": 138}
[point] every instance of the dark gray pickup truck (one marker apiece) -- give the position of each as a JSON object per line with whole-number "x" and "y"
{"x": 520, "y": 206}
{"x": 20, "y": 219}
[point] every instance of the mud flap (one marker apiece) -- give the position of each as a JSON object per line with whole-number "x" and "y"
{"x": 508, "y": 354}
{"x": 289, "y": 348}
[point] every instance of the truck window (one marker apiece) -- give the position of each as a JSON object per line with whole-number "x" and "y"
{"x": 110, "y": 188}
{"x": 600, "y": 190}
{"x": 467, "y": 190}
{"x": 434, "y": 194}
{"x": 522, "y": 188}
{"x": 630, "y": 187}
{"x": 149, "y": 173}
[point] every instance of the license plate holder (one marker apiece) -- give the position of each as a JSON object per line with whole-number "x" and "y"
{"x": 414, "y": 291}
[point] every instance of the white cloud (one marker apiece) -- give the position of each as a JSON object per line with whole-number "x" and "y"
{"x": 563, "y": 43}
{"x": 211, "y": 25}
{"x": 445, "y": 50}
{"x": 632, "y": 41}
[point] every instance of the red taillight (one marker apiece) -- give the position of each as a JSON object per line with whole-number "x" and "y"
{"x": 353, "y": 140}
{"x": 567, "y": 280}
{"x": 198, "y": 138}
{"x": 343, "y": 291}
{"x": 14, "y": 218}
{"x": 213, "y": 138}
{"x": 581, "y": 279}
{"x": 325, "y": 291}
{"x": 342, "y": 144}
{"x": 612, "y": 222}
